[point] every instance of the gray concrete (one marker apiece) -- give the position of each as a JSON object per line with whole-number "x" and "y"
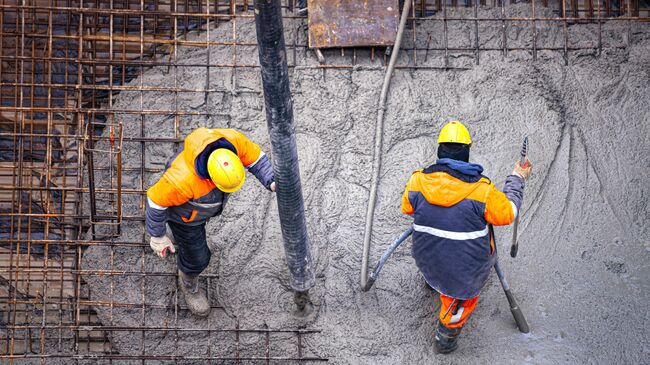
{"x": 582, "y": 274}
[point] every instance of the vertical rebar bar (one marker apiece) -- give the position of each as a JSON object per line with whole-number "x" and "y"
{"x": 600, "y": 29}
{"x": 503, "y": 28}
{"x": 414, "y": 33}
{"x": 445, "y": 32}
{"x": 476, "y": 36}
{"x": 566, "y": 34}
{"x": 91, "y": 176}
{"x": 534, "y": 31}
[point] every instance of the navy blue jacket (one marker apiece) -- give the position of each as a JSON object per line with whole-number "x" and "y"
{"x": 453, "y": 207}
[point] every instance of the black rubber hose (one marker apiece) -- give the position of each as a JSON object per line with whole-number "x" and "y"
{"x": 279, "y": 118}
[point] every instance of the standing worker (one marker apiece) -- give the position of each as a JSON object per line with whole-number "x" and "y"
{"x": 454, "y": 208}
{"x": 194, "y": 187}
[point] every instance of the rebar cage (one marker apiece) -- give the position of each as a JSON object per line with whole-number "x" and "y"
{"x": 64, "y": 62}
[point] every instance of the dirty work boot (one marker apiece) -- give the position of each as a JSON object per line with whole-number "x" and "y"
{"x": 195, "y": 297}
{"x": 446, "y": 338}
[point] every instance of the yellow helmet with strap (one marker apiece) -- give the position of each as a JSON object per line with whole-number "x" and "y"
{"x": 226, "y": 170}
{"x": 454, "y": 132}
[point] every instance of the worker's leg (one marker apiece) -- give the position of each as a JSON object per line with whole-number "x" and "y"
{"x": 458, "y": 314}
{"x": 193, "y": 256}
{"x": 453, "y": 315}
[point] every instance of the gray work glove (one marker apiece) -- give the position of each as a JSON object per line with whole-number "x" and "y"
{"x": 524, "y": 171}
{"x": 162, "y": 245}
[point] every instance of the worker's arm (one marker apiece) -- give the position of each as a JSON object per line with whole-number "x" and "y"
{"x": 263, "y": 170}
{"x": 501, "y": 208}
{"x": 155, "y": 219}
{"x": 160, "y": 196}
{"x": 253, "y": 158}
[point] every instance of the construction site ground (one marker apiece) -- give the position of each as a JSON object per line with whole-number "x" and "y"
{"x": 582, "y": 274}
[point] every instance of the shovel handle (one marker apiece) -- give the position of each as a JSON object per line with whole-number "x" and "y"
{"x": 524, "y": 152}
{"x": 513, "y": 249}
{"x": 517, "y": 314}
{"x": 522, "y": 161}
{"x": 515, "y": 243}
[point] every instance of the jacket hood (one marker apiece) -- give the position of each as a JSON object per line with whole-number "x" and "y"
{"x": 440, "y": 188}
{"x": 196, "y": 142}
{"x": 450, "y": 181}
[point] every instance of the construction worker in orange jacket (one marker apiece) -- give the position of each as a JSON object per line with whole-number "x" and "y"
{"x": 454, "y": 207}
{"x": 195, "y": 187}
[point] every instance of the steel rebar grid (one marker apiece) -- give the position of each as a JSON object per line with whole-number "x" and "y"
{"x": 85, "y": 95}
{"x": 62, "y": 63}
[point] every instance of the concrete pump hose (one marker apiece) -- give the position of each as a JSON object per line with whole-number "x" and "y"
{"x": 379, "y": 133}
{"x": 279, "y": 116}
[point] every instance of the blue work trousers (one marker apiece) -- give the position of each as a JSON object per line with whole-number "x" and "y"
{"x": 193, "y": 254}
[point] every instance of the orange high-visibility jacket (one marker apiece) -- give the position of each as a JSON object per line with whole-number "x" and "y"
{"x": 453, "y": 207}
{"x": 185, "y": 193}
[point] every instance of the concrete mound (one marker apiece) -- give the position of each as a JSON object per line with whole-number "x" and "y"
{"x": 581, "y": 276}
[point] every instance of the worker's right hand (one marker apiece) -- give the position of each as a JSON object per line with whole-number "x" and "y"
{"x": 162, "y": 245}
{"x": 523, "y": 171}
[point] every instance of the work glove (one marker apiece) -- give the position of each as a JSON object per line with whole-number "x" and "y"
{"x": 162, "y": 245}
{"x": 523, "y": 171}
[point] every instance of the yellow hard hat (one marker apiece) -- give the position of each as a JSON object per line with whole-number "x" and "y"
{"x": 454, "y": 132}
{"x": 226, "y": 170}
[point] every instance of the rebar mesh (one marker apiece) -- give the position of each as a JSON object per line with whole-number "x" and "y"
{"x": 64, "y": 62}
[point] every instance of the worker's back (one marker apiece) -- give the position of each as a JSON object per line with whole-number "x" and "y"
{"x": 451, "y": 240}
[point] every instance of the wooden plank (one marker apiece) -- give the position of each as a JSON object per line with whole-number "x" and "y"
{"x": 340, "y": 23}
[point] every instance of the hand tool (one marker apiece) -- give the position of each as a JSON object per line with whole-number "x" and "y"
{"x": 522, "y": 162}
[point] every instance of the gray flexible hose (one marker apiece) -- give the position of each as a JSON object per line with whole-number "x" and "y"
{"x": 382, "y": 261}
{"x": 379, "y": 133}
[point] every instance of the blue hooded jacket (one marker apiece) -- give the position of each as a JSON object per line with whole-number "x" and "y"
{"x": 453, "y": 207}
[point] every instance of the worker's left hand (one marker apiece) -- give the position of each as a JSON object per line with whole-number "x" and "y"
{"x": 273, "y": 186}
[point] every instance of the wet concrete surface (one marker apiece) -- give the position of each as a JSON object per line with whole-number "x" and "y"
{"x": 581, "y": 276}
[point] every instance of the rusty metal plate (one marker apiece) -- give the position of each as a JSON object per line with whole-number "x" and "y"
{"x": 351, "y": 23}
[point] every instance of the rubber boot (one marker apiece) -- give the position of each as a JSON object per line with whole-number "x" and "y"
{"x": 446, "y": 338}
{"x": 197, "y": 301}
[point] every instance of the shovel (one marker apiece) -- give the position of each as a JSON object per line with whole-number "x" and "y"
{"x": 515, "y": 243}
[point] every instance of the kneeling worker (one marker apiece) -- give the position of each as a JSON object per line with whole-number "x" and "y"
{"x": 454, "y": 207}
{"x": 194, "y": 188}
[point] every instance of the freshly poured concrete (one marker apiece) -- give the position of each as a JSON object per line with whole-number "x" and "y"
{"x": 582, "y": 274}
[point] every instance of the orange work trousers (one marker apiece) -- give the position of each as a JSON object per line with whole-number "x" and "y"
{"x": 457, "y": 315}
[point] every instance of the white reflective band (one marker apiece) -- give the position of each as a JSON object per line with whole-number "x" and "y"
{"x": 262, "y": 154}
{"x": 154, "y": 205}
{"x": 514, "y": 209}
{"x": 459, "y": 236}
{"x": 456, "y": 317}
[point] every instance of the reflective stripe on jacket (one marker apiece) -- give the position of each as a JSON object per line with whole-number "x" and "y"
{"x": 185, "y": 187}
{"x": 452, "y": 243}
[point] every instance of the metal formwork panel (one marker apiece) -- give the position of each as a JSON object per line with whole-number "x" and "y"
{"x": 342, "y": 23}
